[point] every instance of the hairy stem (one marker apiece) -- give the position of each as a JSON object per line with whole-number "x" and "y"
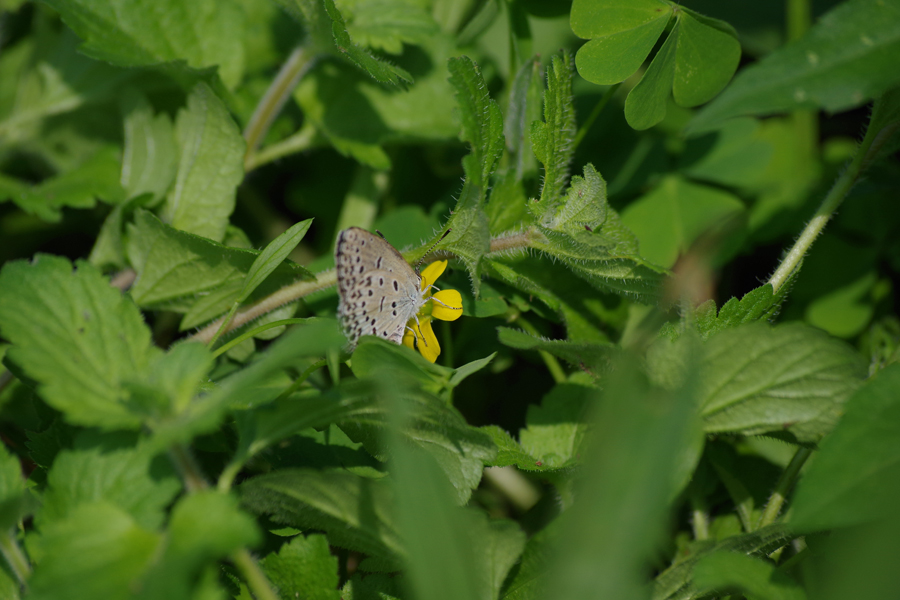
{"x": 297, "y": 64}
{"x": 826, "y": 210}
{"x": 256, "y": 580}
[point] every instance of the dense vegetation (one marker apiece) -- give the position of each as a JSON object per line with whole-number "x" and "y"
{"x": 673, "y": 231}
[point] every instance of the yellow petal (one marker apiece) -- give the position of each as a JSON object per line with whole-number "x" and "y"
{"x": 409, "y": 339}
{"x": 428, "y": 344}
{"x": 447, "y": 305}
{"x": 432, "y": 272}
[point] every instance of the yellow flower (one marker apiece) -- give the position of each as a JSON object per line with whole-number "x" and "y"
{"x": 445, "y": 305}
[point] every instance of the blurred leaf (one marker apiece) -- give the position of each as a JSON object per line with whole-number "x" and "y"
{"x": 523, "y": 109}
{"x": 79, "y": 338}
{"x": 113, "y": 469}
{"x": 175, "y": 268}
{"x": 374, "y": 586}
{"x": 210, "y": 167}
{"x": 675, "y": 214}
{"x": 676, "y": 582}
{"x": 791, "y": 379}
{"x": 607, "y": 539}
{"x": 736, "y": 154}
{"x": 843, "y": 61}
{"x": 97, "y": 178}
{"x": 854, "y": 478}
{"x": 97, "y": 545}
{"x": 756, "y": 579}
{"x": 150, "y": 33}
{"x": 552, "y": 139}
{"x": 355, "y": 512}
{"x": 304, "y": 568}
{"x": 591, "y": 357}
{"x": 205, "y": 413}
{"x": 12, "y": 489}
{"x": 528, "y": 578}
{"x": 378, "y": 69}
{"x": 272, "y": 256}
{"x": 557, "y": 428}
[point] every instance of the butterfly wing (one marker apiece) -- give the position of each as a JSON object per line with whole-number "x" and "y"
{"x": 379, "y": 292}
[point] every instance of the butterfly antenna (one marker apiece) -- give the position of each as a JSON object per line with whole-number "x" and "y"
{"x": 381, "y": 235}
{"x": 432, "y": 247}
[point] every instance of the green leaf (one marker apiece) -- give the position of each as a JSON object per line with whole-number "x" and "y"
{"x": 355, "y": 512}
{"x": 111, "y": 469}
{"x": 201, "y": 34}
{"x": 621, "y": 33}
{"x": 388, "y": 24}
{"x": 97, "y": 178}
{"x": 647, "y": 101}
{"x": 78, "y": 337}
{"x": 853, "y": 479}
{"x": 608, "y": 539}
{"x": 792, "y": 379}
{"x": 675, "y": 214}
{"x": 374, "y": 586}
{"x": 498, "y": 544}
{"x": 237, "y": 391}
{"x": 756, "y": 579}
{"x": 272, "y": 256}
{"x": 528, "y": 578}
{"x": 552, "y": 139}
{"x": 98, "y": 546}
{"x": 12, "y": 489}
{"x": 737, "y": 154}
{"x": 210, "y": 166}
{"x": 760, "y": 304}
{"x": 378, "y": 69}
{"x": 705, "y": 59}
{"x": 149, "y": 157}
{"x": 584, "y": 207}
{"x": 176, "y": 268}
{"x": 304, "y": 568}
{"x": 592, "y": 357}
{"x": 208, "y": 525}
{"x": 523, "y": 109}
{"x": 676, "y": 582}
{"x": 556, "y": 429}
{"x": 109, "y": 247}
{"x": 843, "y": 61}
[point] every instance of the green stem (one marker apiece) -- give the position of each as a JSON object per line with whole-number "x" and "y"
{"x": 699, "y": 519}
{"x": 556, "y": 370}
{"x": 224, "y": 324}
{"x": 304, "y": 139}
{"x": 187, "y": 467}
{"x": 16, "y": 560}
{"x": 297, "y": 64}
{"x": 783, "y": 487}
{"x": 256, "y": 331}
{"x": 798, "y": 18}
{"x": 829, "y": 205}
{"x": 598, "y": 108}
{"x": 256, "y": 580}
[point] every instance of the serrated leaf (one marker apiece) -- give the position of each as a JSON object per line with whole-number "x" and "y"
{"x": 388, "y": 24}
{"x": 355, "y": 512}
{"x": 791, "y": 379}
{"x": 272, "y": 256}
{"x": 853, "y": 479}
{"x": 843, "y": 61}
{"x": 304, "y": 568}
{"x": 186, "y": 273}
{"x": 99, "y": 546}
{"x": 202, "y": 34}
{"x": 552, "y": 139}
{"x": 482, "y": 122}
{"x": 510, "y": 452}
{"x": 755, "y": 578}
{"x": 592, "y": 357}
{"x": 210, "y": 166}
{"x": 378, "y": 69}
{"x": 677, "y": 212}
{"x": 78, "y": 337}
{"x": 583, "y": 208}
{"x": 112, "y": 469}
{"x": 760, "y": 304}
{"x": 149, "y": 156}
{"x": 676, "y": 583}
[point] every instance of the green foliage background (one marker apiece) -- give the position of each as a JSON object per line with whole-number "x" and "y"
{"x": 672, "y": 226}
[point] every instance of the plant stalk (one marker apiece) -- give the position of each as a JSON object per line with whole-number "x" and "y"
{"x": 256, "y": 580}
{"x": 16, "y": 560}
{"x": 783, "y": 487}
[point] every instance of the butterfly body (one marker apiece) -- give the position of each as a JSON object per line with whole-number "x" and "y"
{"x": 379, "y": 291}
